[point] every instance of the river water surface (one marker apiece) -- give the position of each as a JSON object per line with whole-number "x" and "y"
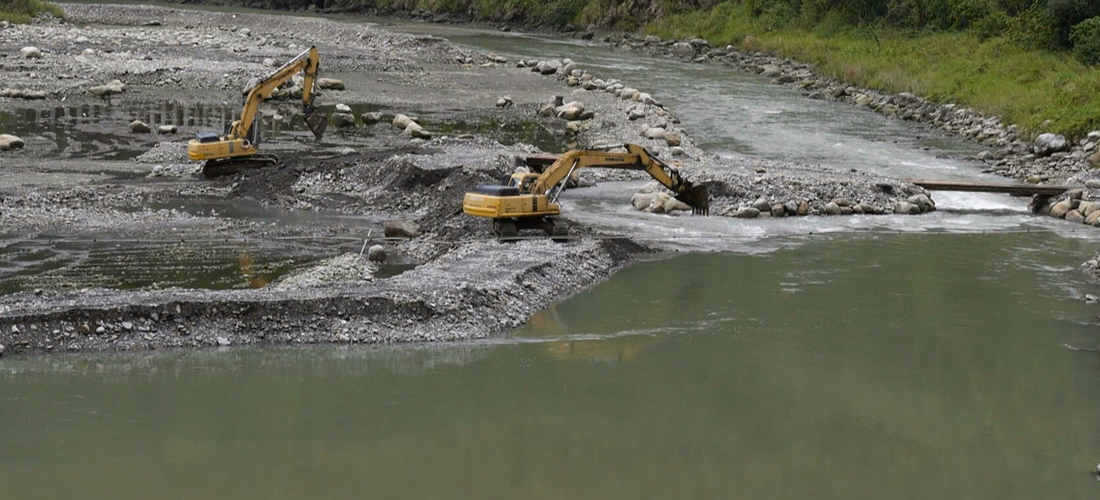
{"x": 881, "y": 357}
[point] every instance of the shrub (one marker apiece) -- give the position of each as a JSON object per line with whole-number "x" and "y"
{"x": 1085, "y": 37}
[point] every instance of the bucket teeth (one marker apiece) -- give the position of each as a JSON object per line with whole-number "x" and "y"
{"x": 697, "y": 198}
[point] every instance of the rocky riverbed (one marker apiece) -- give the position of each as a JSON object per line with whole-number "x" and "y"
{"x": 1035, "y": 158}
{"x": 415, "y": 123}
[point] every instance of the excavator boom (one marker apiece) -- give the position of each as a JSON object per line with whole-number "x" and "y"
{"x": 238, "y": 149}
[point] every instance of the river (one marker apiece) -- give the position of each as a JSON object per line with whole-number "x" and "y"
{"x": 879, "y": 357}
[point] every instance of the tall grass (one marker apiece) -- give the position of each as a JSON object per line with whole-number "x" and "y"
{"x": 22, "y": 11}
{"x": 1026, "y": 87}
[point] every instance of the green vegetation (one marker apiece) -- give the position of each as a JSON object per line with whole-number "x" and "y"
{"x": 978, "y": 67}
{"x": 22, "y": 11}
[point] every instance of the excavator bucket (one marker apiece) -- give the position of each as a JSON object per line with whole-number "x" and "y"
{"x": 698, "y": 198}
{"x": 316, "y": 122}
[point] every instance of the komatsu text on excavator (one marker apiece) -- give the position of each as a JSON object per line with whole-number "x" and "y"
{"x": 237, "y": 148}
{"x": 529, "y": 200}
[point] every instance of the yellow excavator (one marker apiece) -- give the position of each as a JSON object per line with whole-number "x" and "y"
{"x": 237, "y": 148}
{"x": 529, "y": 200}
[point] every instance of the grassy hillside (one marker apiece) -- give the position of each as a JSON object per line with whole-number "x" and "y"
{"x": 22, "y": 11}
{"x": 996, "y": 75}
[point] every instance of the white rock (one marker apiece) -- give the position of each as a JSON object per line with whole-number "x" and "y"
{"x": 9, "y": 142}
{"x": 343, "y": 108}
{"x": 401, "y": 121}
{"x": 330, "y": 84}
{"x": 167, "y": 129}
{"x": 30, "y": 53}
{"x": 655, "y": 133}
{"x": 417, "y": 132}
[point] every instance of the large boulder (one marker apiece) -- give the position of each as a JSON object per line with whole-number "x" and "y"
{"x": 683, "y": 49}
{"x": 655, "y": 133}
{"x": 342, "y": 120}
{"x": 330, "y": 84}
{"x": 376, "y": 253}
{"x": 139, "y": 127}
{"x": 1048, "y": 144}
{"x": 401, "y": 121}
{"x": 832, "y": 208}
{"x": 674, "y": 205}
{"x": 548, "y": 67}
{"x": 372, "y": 117}
{"x": 923, "y": 201}
{"x": 571, "y": 111}
{"x": 417, "y": 132}
{"x": 30, "y": 53}
{"x": 401, "y": 229}
{"x": 9, "y": 142}
{"x": 115, "y": 87}
{"x": 643, "y": 200}
{"x": 1060, "y": 209}
{"x": 746, "y": 213}
{"x": 1075, "y": 216}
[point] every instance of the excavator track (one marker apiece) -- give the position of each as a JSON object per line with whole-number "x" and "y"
{"x": 229, "y": 166}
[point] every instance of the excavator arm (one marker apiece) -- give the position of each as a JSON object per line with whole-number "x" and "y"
{"x": 307, "y": 62}
{"x": 636, "y": 158}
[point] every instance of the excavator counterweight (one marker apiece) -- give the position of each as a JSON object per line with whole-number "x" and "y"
{"x": 238, "y": 148}
{"x": 529, "y": 200}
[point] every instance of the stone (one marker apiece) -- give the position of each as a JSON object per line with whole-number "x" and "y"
{"x": 762, "y": 204}
{"x": 655, "y": 133}
{"x": 376, "y": 253}
{"x": 245, "y": 32}
{"x": 271, "y": 63}
{"x": 906, "y": 208}
{"x": 224, "y": 342}
{"x": 342, "y": 119}
{"x": 139, "y": 127}
{"x": 401, "y": 228}
{"x": 112, "y": 88}
{"x": 804, "y": 208}
{"x": 505, "y": 102}
{"x": 1075, "y": 216}
{"x": 343, "y": 108}
{"x": 547, "y": 110}
{"x": 832, "y": 208}
{"x": 9, "y": 142}
{"x": 417, "y": 132}
{"x": 548, "y": 67}
{"x": 771, "y": 71}
{"x": 1075, "y": 194}
{"x": 1048, "y": 144}
{"x": 1094, "y": 136}
{"x": 1093, "y": 218}
{"x": 683, "y": 49}
{"x": 567, "y": 68}
{"x": 167, "y": 129}
{"x": 30, "y": 53}
{"x": 842, "y": 202}
{"x": 1088, "y": 207}
{"x": 99, "y": 330}
{"x": 923, "y": 201}
{"x": 672, "y": 138}
{"x": 778, "y": 210}
{"x": 330, "y": 84}
{"x": 636, "y": 113}
{"x": 651, "y": 40}
{"x": 1060, "y": 209}
{"x": 674, "y": 205}
{"x": 572, "y": 111}
{"x": 746, "y": 213}
{"x": 867, "y": 208}
{"x": 371, "y": 118}
{"x": 401, "y": 121}
{"x": 126, "y": 325}
{"x": 1094, "y": 160}
{"x": 495, "y": 58}
{"x": 676, "y": 151}
{"x": 1093, "y": 183}
{"x": 643, "y": 199}
{"x": 2, "y": 349}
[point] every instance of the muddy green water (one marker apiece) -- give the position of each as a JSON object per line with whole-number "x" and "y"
{"x": 857, "y": 366}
